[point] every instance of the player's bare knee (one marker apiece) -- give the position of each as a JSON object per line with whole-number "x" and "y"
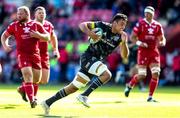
{"x": 141, "y": 77}
{"x": 71, "y": 88}
{"x": 27, "y": 77}
{"x": 43, "y": 82}
{"x": 106, "y": 76}
{"x": 155, "y": 75}
{"x": 36, "y": 82}
{"x": 110, "y": 75}
{"x": 74, "y": 88}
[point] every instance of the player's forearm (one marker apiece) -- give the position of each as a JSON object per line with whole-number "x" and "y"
{"x": 133, "y": 38}
{"x": 54, "y": 42}
{"x": 124, "y": 50}
{"x": 44, "y": 37}
{"x": 84, "y": 28}
{"x": 4, "y": 39}
{"x": 163, "y": 40}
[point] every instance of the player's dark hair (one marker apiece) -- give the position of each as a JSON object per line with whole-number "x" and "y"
{"x": 119, "y": 16}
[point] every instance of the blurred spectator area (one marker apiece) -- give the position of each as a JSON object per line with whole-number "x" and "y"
{"x": 86, "y": 15}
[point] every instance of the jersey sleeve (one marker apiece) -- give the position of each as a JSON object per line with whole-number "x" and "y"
{"x": 10, "y": 29}
{"x": 160, "y": 31}
{"x": 136, "y": 29}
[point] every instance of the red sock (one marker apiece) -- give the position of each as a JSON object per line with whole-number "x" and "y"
{"x": 29, "y": 91}
{"x": 21, "y": 88}
{"x": 36, "y": 86}
{"x": 133, "y": 81}
{"x": 152, "y": 86}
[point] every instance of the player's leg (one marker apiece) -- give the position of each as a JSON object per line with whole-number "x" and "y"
{"x": 104, "y": 78}
{"x": 133, "y": 72}
{"x": 142, "y": 62}
{"x": 104, "y": 75}
{"x": 45, "y": 76}
{"x": 155, "y": 70}
{"x": 37, "y": 73}
{"x": 142, "y": 72}
{"x": 28, "y": 79}
{"x": 36, "y": 79}
{"x": 45, "y": 68}
{"x": 79, "y": 81}
{"x": 21, "y": 91}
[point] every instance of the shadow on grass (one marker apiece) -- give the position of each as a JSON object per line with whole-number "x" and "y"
{"x": 104, "y": 102}
{"x": 9, "y": 106}
{"x": 107, "y": 102}
{"x": 54, "y": 116}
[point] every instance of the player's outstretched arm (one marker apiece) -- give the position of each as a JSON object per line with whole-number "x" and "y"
{"x": 133, "y": 38}
{"x": 124, "y": 50}
{"x": 86, "y": 27}
{"x": 4, "y": 40}
{"x": 54, "y": 43}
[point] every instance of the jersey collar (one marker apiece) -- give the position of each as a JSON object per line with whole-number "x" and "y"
{"x": 148, "y": 22}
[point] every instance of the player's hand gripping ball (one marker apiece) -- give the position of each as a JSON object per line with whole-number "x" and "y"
{"x": 97, "y": 31}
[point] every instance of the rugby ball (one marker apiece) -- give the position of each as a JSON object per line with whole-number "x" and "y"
{"x": 98, "y": 31}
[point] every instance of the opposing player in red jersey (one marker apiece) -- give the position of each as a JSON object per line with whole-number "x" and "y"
{"x": 27, "y": 34}
{"x": 148, "y": 35}
{"x": 40, "y": 15}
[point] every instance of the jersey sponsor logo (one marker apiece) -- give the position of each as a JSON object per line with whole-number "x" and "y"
{"x": 149, "y": 37}
{"x": 25, "y": 36}
{"x": 105, "y": 41}
{"x": 26, "y": 29}
{"x": 150, "y": 30}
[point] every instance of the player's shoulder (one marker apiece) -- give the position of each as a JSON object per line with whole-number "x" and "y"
{"x": 33, "y": 23}
{"x": 157, "y": 23}
{"x": 103, "y": 25}
{"x": 140, "y": 22}
{"x": 106, "y": 23}
{"x": 48, "y": 23}
{"x": 14, "y": 23}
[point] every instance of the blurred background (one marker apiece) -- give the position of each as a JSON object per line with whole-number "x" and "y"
{"x": 65, "y": 15}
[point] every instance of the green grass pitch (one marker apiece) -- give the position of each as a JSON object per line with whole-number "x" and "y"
{"x": 106, "y": 102}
